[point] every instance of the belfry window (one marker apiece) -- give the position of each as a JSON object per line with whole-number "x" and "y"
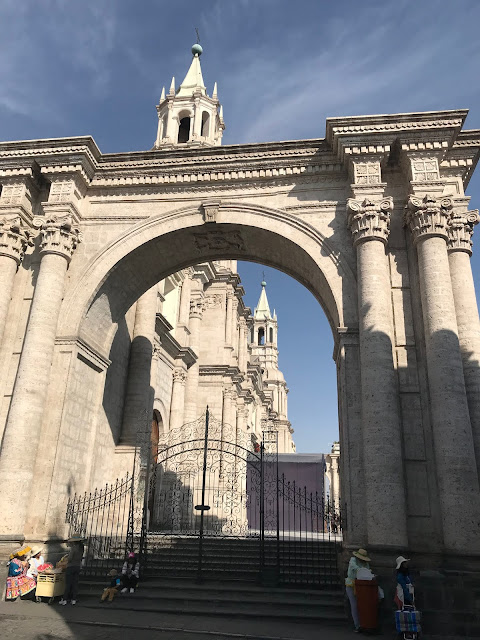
{"x": 205, "y": 124}
{"x": 261, "y": 336}
{"x": 184, "y": 130}
{"x": 271, "y": 334}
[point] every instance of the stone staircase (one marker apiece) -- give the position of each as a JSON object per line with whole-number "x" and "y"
{"x": 307, "y": 588}
{"x": 293, "y": 562}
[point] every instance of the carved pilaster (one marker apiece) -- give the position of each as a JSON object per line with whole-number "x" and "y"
{"x": 428, "y": 216}
{"x": 18, "y": 195}
{"x": 460, "y": 230}
{"x": 369, "y": 220}
{"x": 14, "y": 237}
{"x": 59, "y": 236}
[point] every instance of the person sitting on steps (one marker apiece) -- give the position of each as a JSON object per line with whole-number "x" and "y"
{"x": 130, "y": 573}
{"x": 111, "y": 591}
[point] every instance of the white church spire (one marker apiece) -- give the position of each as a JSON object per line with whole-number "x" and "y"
{"x": 189, "y": 115}
{"x": 262, "y": 310}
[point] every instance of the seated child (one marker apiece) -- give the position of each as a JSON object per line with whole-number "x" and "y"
{"x": 111, "y": 591}
{"x": 130, "y": 573}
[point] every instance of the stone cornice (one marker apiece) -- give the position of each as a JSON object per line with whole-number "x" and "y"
{"x": 366, "y": 135}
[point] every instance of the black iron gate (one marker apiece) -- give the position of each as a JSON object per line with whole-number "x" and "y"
{"x": 210, "y": 503}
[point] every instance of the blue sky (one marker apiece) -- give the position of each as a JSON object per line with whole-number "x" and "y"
{"x": 98, "y": 66}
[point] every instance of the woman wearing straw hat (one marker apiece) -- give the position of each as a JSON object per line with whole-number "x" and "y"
{"x": 18, "y": 583}
{"x": 404, "y": 594}
{"x": 359, "y": 560}
{"x": 72, "y": 572}
{"x": 36, "y": 560}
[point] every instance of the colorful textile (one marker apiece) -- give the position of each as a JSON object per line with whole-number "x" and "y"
{"x": 18, "y": 583}
{"x": 408, "y": 621}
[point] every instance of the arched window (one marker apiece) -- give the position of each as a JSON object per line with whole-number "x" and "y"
{"x": 252, "y": 335}
{"x": 205, "y": 124}
{"x": 164, "y": 127}
{"x": 261, "y": 336}
{"x": 271, "y": 334}
{"x": 184, "y": 130}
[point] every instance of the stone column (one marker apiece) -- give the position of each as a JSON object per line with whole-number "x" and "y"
{"x": 242, "y": 346}
{"x": 185, "y": 297}
{"x": 193, "y": 374}
{"x": 59, "y": 240}
{"x": 229, "y": 319}
{"x": 457, "y": 476}
{"x": 14, "y": 239}
{"x": 460, "y": 230}
{"x": 138, "y": 407}
{"x": 177, "y": 403}
{"x": 381, "y": 426}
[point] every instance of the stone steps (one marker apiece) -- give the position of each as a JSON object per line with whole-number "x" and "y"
{"x": 237, "y": 600}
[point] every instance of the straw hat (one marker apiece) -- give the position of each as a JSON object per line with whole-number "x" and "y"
{"x": 400, "y": 560}
{"x": 76, "y": 537}
{"x": 35, "y": 551}
{"x": 20, "y": 552}
{"x": 361, "y": 554}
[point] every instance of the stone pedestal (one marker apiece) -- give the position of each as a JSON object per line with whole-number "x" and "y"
{"x": 138, "y": 408}
{"x": 59, "y": 240}
{"x": 381, "y": 425}
{"x": 457, "y": 477}
{"x": 460, "y": 231}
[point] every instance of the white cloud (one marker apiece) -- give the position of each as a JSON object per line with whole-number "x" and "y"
{"x": 388, "y": 57}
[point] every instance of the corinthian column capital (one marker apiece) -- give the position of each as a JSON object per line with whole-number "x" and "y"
{"x": 428, "y": 216}
{"x": 369, "y": 219}
{"x": 197, "y": 307}
{"x": 59, "y": 236}
{"x": 14, "y": 237}
{"x": 179, "y": 375}
{"x": 460, "y": 230}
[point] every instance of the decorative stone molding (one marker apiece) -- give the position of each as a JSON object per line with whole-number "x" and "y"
{"x": 214, "y": 301}
{"x": 179, "y": 375}
{"x": 369, "y": 220}
{"x": 428, "y": 216}
{"x": 210, "y": 210}
{"x": 197, "y": 307}
{"x": 424, "y": 169}
{"x": 366, "y": 173}
{"x": 221, "y": 240}
{"x": 14, "y": 237}
{"x": 460, "y": 230}
{"x": 59, "y": 236}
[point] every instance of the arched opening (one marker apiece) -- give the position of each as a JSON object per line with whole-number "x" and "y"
{"x": 205, "y": 124}
{"x": 164, "y": 126}
{"x": 271, "y": 335}
{"x": 261, "y": 336}
{"x": 133, "y": 265}
{"x": 184, "y": 130}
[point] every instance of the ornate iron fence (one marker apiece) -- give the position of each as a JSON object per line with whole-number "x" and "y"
{"x": 103, "y": 518}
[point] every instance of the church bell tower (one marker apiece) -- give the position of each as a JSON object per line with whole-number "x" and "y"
{"x": 189, "y": 116}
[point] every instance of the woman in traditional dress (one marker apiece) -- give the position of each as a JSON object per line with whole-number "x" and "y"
{"x": 18, "y": 583}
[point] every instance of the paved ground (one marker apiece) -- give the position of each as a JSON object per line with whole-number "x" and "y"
{"x": 31, "y": 621}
